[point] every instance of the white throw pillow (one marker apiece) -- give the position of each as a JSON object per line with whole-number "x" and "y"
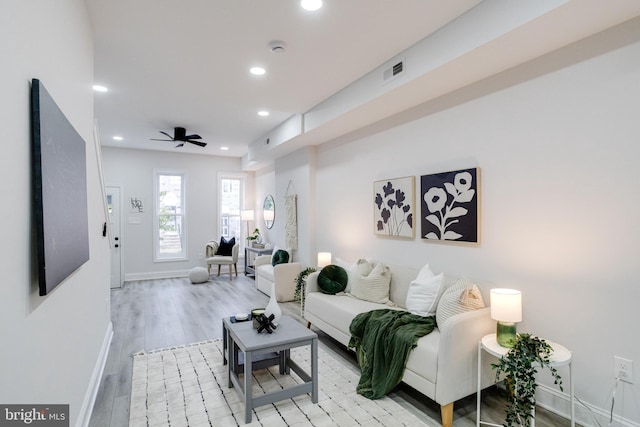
{"x": 463, "y": 295}
{"x": 422, "y": 296}
{"x": 373, "y": 287}
{"x": 353, "y": 270}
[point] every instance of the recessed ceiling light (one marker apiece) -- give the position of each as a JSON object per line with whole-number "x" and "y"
{"x": 311, "y": 4}
{"x": 263, "y": 113}
{"x": 224, "y": 148}
{"x": 99, "y": 88}
{"x": 257, "y": 71}
{"x": 118, "y": 138}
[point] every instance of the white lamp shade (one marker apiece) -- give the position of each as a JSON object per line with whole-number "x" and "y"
{"x": 324, "y": 259}
{"x": 246, "y": 215}
{"x": 506, "y": 305}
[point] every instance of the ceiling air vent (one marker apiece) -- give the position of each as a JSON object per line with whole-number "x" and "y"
{"x": 393, "y": 71}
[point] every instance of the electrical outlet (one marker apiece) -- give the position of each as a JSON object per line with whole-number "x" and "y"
{"x": 623, "y": 369}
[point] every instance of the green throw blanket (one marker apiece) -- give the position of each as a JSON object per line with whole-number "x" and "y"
{"x": 383, "y": 339}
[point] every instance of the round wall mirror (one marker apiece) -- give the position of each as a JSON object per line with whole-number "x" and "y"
{"x": 269, "y": 211}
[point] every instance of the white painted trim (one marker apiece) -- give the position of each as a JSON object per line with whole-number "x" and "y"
{"x": 156, "y": 275}
{"x": 177, "y": 273}
{"x": 92, "y": 391}
{"x": 558, "y": 402}
{"x": 184, "y": 256}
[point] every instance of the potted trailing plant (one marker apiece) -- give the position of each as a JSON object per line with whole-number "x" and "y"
{"x": 255, "y": 237}
{"x": 300, "y": 282}
{"x": 519, "y": 366}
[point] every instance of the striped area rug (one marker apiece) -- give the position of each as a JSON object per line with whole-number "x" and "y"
{"x": 186, "y": 386}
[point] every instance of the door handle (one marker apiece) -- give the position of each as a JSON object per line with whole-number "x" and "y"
{"x": 117, "y": 245}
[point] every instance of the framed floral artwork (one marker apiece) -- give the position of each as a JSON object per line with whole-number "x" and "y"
{"x": 450, "y": 206}
{"x": 393, "y": 207}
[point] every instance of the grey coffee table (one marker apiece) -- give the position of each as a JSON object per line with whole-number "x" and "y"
{"x": 288, "y": 335}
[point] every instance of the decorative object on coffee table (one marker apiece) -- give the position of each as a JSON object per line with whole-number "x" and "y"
{"x": 266, "y": 323}
{"x": 254, "y": 315}
{"x": 273, "y": 308}
{"x": 393, "y": 207}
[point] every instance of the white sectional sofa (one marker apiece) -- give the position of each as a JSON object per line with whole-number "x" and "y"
{"x": 282, "y": 275}
{"x": 443, "y": 366}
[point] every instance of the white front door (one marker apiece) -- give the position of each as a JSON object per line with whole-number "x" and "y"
{"x": 113, "y": 205}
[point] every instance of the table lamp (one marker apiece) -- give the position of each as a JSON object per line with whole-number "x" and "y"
{"x": 324, "y": 259}
{"x": 506, "y": 309}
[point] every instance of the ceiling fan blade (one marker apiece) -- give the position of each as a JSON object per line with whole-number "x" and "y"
{"x": 153, "y": 139}
{"x": 167, "y": 135}
{"x": 198, "y": 143}
{"x": 194, "y": 136}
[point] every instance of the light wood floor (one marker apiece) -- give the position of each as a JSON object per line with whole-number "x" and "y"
{"x": 155, "y": 314}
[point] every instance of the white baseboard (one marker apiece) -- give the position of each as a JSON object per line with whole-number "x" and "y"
{"x": 156, "y": 275}
{"x": 92, "y": 391}
{"x": 166, "y": 274}
{"x": 559, "y": 403}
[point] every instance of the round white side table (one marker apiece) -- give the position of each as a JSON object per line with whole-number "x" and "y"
{"x": 560, "y": 357}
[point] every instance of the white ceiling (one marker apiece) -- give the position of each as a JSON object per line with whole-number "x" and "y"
{"x": 186, "y": 63}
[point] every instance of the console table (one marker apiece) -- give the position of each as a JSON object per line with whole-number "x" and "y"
{"x": 249, "y": 266}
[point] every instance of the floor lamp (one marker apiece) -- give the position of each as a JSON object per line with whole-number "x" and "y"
{"x": 246, "y": 215}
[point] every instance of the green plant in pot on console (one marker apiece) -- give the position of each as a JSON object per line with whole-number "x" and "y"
{"x": 255, "y": 236}
{"x": 520, "y": 367}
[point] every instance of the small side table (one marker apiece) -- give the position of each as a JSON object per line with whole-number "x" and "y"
{"x": 560, "y": 357}
{"x": 249, "y": 267}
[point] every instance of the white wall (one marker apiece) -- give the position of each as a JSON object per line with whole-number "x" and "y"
{"x": 556, "y": 141}
{"x": 133, "y": 172}
{"x": 295, "y": 174}
{"x": 51, "y": 346}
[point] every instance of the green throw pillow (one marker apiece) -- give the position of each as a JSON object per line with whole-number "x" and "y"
{"x": 280, "y": 257}
{"x": 332, "y": 279}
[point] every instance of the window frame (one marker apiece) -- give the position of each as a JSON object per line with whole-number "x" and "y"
{"x": 183, "y": 255}
{"x": 243, "y": 183}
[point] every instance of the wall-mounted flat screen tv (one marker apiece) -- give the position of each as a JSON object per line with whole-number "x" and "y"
{"x": 59, "y": 191}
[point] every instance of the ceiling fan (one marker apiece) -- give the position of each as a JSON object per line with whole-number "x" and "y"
{"x": 180, "y": 135}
